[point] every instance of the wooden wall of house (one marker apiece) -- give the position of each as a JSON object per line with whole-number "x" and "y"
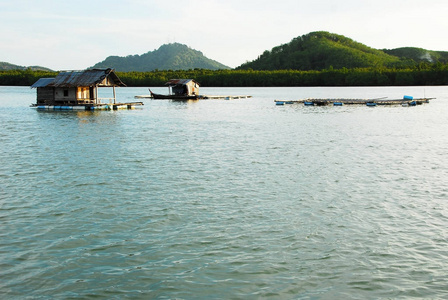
{"x": 193, "y": 88}
{"x": 179, "y": 89}
{"x": 65, "y": 95}
{"x": 45, "y": 96}
{"x": 190, "y": 88}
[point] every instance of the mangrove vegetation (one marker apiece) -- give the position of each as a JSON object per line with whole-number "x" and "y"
{"x": 422, "y": 74}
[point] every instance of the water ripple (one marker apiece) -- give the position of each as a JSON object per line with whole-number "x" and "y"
{"x": 225, "y": 199}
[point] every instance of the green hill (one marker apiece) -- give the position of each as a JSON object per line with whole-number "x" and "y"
{"x": 419, "y": 54}
{"x": 4, "y": 66}
{"x": 322, "y": 50}
{"x": 168, "y": 57}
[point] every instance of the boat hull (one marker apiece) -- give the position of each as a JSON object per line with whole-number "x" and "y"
{"x": 174, "y": 97}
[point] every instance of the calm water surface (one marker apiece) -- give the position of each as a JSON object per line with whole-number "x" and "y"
{"x": 225, "y": 199}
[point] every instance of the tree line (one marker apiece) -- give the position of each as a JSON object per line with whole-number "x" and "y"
{"x": 422, "y": 74}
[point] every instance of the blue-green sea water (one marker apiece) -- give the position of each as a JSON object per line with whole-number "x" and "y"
{"x": 222, "y": 199}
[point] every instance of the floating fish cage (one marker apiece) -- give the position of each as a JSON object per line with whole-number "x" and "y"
{"x": 405, "y": 101}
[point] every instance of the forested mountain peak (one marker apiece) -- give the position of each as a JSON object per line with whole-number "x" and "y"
{"x": 320, "y": 50}
{"x": 173, "y": 56}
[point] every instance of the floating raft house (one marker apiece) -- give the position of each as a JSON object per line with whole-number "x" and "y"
{"x": 78, "y": 90}
{"x": 406, "y": 101}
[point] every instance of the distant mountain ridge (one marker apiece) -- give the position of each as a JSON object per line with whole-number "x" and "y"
{"x": 323, "y": 50}
{"x": 419, "y": 54}
{"x": 5, "y": 66}
{"x": 168, "y": 57}
{"x": 313, "y": 51}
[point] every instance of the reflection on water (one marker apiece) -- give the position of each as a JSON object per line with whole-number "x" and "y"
{"x": 81, "y": 116}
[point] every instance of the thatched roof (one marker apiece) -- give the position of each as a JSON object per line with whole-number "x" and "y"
{"x": 93, "y": 77}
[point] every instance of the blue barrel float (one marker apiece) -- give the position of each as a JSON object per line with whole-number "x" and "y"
{"x": 410, "y": 98}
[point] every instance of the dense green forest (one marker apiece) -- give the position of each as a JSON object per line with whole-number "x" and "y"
{"x": 425, "y": 74}
{"x": 422, "y": 74}
{"x": 323, "y": 50}
{"x": 168, "y": 57}
{"x": 24, "y": 77}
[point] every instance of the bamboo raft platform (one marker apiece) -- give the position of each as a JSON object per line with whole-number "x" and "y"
{"x": 343, "y": 101}
{"x": 211, "y": 97}
{"x": 199, "y": 97}
{"x": 100, "y": 106}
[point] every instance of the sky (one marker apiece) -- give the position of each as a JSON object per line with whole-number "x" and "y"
{"x": 75, "y": 35}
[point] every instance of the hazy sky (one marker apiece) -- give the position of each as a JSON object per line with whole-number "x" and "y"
{"x": 74, "y": 35}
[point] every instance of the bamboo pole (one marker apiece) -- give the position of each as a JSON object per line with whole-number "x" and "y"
{"x": 96, "y": 94}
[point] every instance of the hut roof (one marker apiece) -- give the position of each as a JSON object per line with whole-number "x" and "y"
{"x": 42, "y": 82}
{"x": 180, "y": 81}
{"x": 94, "y": 77}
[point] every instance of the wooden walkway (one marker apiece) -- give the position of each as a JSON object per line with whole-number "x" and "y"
{"x": 211, "y": 97}
{"x": 344, "y": 101}
{"x": 201, "y": 97}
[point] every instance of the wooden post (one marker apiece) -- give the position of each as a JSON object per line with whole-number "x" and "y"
{"x": 114, "y": 94}
{"x": 96, "y": 94}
